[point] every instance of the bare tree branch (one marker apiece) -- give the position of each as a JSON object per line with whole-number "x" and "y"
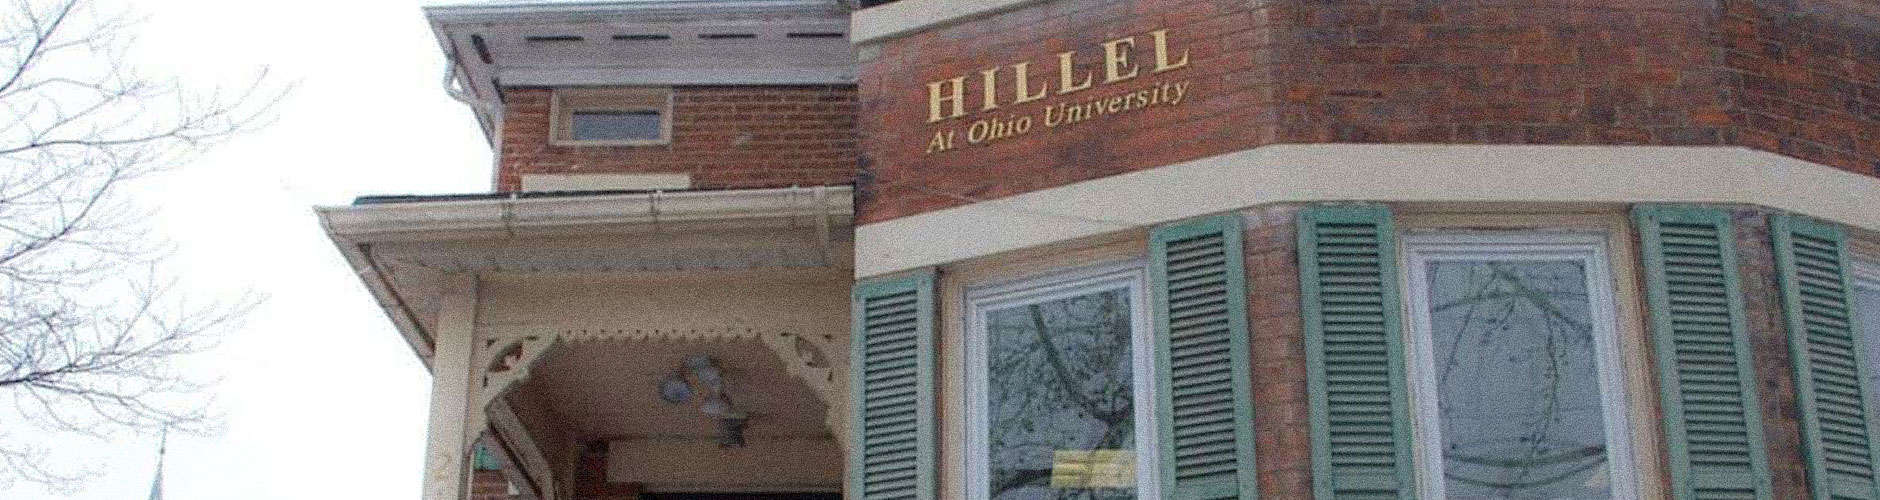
{"x": 93, "y": 336}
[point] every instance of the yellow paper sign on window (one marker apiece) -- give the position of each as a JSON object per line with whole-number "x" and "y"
{"x": 1074, "y": 469}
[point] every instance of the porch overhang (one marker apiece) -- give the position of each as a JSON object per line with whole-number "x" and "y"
{"x": 401, "y": 247}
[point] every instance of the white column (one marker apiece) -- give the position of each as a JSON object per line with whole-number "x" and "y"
{"x": 445, "y": 463}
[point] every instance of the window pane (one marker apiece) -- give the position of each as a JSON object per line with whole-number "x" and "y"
{"x": 1517, "y": 380}
{"x": 1867, "y": 314}
{"x": 1059, "y": 401}
{"x": 616, "y": 125}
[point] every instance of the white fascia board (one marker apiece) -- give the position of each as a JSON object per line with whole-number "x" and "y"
{"x": 355, "y": 228}
{"x": 555, "y": 77}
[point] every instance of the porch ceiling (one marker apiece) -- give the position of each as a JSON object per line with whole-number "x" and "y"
{"x": 609, "y": 390}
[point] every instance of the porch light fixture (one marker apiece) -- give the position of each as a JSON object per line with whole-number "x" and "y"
{"x": 674, "y": 390}
{"x": 677, "y": 388}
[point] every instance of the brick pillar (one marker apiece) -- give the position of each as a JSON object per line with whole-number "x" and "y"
{"x": 1282, "y": 428}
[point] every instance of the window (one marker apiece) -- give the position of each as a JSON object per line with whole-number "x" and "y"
{"x": 1514, "y": 372}
{"x": 622, "y": 116}
{"x": 1059, "y": 389}
{"x": 1867, "y": 315}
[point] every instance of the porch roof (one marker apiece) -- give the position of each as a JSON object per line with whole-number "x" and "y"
{"x": 401, "y": 247}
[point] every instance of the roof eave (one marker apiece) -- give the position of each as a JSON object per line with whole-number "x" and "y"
{"x": 355, "y": 228}
{"x": 584, "y": 11}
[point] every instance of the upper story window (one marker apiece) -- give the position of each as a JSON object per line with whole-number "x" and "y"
{"x": 1514, "y": 373}
{"x": 1058, "y": 389}
{"x": 620, "y": 116}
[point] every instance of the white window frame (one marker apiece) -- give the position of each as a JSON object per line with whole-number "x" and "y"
{"x": 565, "y": 102}
{"x": 1127, "y": 275}
{"x": 1865, "y": 274}
{"x": 1421, "y": 249}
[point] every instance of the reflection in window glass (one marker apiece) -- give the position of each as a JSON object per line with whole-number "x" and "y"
{"x": 1867, "y": 315}
{"x": 639, "y": 125}
{"x": 1517, "y": 379}
{"x": 1060, "y": 414}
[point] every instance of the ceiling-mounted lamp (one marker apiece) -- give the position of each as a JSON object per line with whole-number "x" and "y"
{"x": 706, "y": 371}
{"x": 674, "y": 390}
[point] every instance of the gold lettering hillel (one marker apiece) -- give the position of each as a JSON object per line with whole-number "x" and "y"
{"x": 1067, "y": 70}
{"x": 958, "y": 98}
{"x": 1021, "y": 79}
{"x": 946, "y": 98}
{"x": 1115, "y": 58}
{"x": 989, "y": 79}
{"x": 1161, "y": 52}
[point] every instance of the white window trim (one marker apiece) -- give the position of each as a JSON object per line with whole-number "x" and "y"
{"x": 1866, "y": 272}
{"x": 1590, "y": 248}
{"x": 561, "y": 115}
{"x": 1129, "y": 276}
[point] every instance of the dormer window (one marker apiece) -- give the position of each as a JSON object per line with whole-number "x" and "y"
{"x": 615, "y": 116}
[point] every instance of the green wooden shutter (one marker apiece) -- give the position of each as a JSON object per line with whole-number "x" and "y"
{"x": 891, "y": 389}
{"x": 1354, "y": 353}
{"x": 1712, "y": 423}
{"x": 1203, "y": 398}
{"x": 1831, "y": 386}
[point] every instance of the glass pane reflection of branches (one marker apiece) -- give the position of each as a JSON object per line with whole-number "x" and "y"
{"x": 1059, "y": 402}
{"x": 1867, "y": 315}
{"x": 1517, "y": 380}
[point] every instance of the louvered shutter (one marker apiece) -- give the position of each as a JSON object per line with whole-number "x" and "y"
{"x": 891, "y": 389}
{"x": 1712, "y": 423}
{"x": 1203, "y": 398}
{"x": 1354, "y": 353}
{"x": 1830, "y": 383}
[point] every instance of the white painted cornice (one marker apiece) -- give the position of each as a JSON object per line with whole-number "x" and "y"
{"x": 1369, "y": 172}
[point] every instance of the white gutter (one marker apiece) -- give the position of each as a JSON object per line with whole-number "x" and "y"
{"x": 355, "y": 228}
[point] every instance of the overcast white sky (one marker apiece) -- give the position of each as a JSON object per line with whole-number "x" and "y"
{"x": 322, "y": 397}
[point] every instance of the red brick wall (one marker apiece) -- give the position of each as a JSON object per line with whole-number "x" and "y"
{"x": 726, "y": 137}
{"x": 1809, "y": 75}
{"x": 1281, "y": 419}
{"x": 1798, "y": 77}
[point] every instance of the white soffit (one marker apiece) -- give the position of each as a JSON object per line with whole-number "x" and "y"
{"x": 1369, "y": 172}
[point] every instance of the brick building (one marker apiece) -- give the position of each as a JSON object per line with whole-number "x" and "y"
{"x": 1018, "y": 249}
